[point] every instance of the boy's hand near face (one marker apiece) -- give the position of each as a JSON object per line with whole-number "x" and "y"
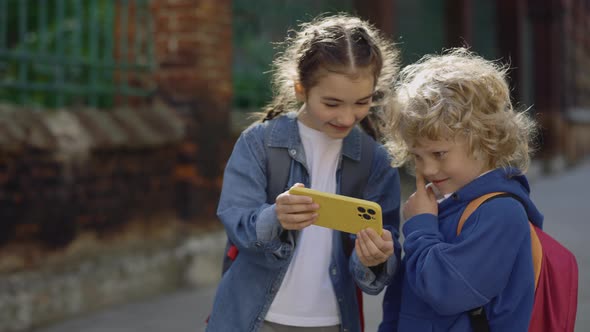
{"x": 373, "y": 249}
{"x": 422, "y": 201}
{"x": 295, "y": 212}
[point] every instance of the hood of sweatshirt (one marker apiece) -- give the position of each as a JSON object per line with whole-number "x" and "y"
{"x": 507, "y": 180}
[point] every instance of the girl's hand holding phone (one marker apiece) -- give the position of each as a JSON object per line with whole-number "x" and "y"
{"x": 373, "y": 249}
{"x": 295, "y": 212}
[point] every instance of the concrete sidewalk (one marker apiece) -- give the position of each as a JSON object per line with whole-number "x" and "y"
{"x": 563, "y": 198}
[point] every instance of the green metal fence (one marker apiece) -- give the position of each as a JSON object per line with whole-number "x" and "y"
{"x": 55, "y": 53}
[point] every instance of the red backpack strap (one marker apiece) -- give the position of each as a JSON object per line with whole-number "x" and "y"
{"x": 359, "y": 297}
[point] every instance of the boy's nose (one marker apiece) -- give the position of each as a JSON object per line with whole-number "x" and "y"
{"x": 429, "y": 169}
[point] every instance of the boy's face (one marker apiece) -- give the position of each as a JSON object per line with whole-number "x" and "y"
{"x": 447, "y": 164}
{"x": 336, "y": 103}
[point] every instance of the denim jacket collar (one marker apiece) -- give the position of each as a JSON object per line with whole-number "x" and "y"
{"x": 351, "y": 145}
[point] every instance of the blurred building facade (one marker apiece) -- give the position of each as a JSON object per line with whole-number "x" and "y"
{"x": 114, "y": 129}
{"x": 112, "y": 145}
{"x": 546, "y": 43}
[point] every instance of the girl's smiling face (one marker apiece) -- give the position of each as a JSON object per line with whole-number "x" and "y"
{"x": 337, "y": 102}
{"x": 447, "y": 164}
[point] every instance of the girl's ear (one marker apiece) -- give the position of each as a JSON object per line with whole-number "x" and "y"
{"x": 299, "y": 92}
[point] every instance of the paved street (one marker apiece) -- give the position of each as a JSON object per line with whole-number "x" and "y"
{"x": 562, "y": 197}
{"x": 182, "y": 311}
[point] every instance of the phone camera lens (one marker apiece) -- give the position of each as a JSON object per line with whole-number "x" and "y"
{"x": 361, "y": 209}
{"x": 371, "y": 211}
{"x": 366, "y": 216}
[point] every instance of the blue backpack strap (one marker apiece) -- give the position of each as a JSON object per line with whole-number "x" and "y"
{"x": 354, "y": 178}
{"x": 355, "y": 174}
{"x": 278, "y": 165}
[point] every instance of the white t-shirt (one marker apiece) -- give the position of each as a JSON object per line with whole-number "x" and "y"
{"x": 306, "y": 296}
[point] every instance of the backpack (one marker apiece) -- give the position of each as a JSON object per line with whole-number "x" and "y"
{"x": 556, "y": 280}
{"x": 354, "y": 177}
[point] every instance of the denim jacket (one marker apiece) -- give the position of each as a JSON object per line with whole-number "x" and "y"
{"x": 248, "y": 288}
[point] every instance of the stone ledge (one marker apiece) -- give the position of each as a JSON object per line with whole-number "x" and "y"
{"x": 35, "y": 298}
{"x": 76, "y": 131}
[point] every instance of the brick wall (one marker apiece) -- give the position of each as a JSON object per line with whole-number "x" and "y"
{"x": 194, "y": 51}
{"x": 67, "y": 171}
{"x": 193, "y": 48}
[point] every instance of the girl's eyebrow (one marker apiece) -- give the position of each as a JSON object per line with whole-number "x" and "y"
{"x": 339, "y": 100}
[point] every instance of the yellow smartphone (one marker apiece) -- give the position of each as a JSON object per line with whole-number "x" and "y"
{"x": 343, "y": 213}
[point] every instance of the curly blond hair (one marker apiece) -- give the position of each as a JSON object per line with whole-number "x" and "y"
{"x": 460, "y": 93}
{"x": 339, "y": 43}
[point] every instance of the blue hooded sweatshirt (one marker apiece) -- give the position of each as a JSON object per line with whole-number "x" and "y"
{"x": 489, "y": 264}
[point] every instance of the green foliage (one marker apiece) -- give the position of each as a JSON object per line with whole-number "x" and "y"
{"x": 258, "y": 26}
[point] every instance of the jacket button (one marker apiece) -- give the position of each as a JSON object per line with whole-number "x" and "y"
{"x": 334, "y": 271}
{"x": 258, "y": 244}
{"x": 292, "y": 152}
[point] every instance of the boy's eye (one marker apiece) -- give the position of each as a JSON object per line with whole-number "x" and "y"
{"x": 440, "y": 154}
{"x": 363, "y": 103}
{"x": 331, "y": 105}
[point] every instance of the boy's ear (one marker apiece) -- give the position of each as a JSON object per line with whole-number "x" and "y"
{"x": 299, "y": 92}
